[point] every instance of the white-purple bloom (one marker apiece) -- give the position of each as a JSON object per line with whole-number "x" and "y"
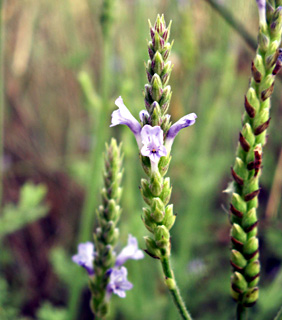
{"x": 123, "y": 116}
{"x": 118, "y": 282}
{"x": 85, "y": 256}
{"x": 262, "y": 11}
{"x": 184, "y": 122}
{"x": 131, "y": 251}
{"x": 153, "y": 139}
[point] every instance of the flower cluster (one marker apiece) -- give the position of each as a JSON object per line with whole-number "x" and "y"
{"x": 150, "y": 139}
{"x": 118, "y": 283}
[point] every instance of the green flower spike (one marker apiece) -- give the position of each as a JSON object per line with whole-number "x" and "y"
{"x": 247, "y": 168}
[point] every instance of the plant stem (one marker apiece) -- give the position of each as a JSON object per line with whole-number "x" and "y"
{"x": 242, "y": 312}
{"x": 173, "y": 288}
{"x": 2, "y": 2}
{"x": 228, "y": 17}
{"x": 279, "y": 315}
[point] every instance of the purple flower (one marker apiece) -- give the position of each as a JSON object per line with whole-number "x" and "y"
{"x": 131, "y": 251}
{"x": 118, "y": 282}
{"x": 261, "y": 7}
{"x": 152, "y": 139}
{"x": 184, "y": 122}
{"x": 85, "y": 256}
{"x": 123, "y": 116}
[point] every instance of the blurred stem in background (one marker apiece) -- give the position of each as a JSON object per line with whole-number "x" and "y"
{"x": 2, "y": 2}
{"x": 99, "y": 136}
{"x": 228, "y": 17}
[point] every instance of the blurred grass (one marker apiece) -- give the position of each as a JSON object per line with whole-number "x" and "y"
{"x": 49, "y": 128}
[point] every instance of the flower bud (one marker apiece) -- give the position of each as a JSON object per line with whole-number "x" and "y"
{"x": 156, "y": 184}
{"x": 238, "y": 235}
{"x": 166, "y": 95}
{"x": 249, "y": 220}
{"x": 252, "y": 270}
{"x": 152, "y": 248}
{"x": 250, "y": 297}
{"x": 276, "y": 24}
{"x": 166, "y": 191}
{"x": 162, "y": 236}
{"x": 237, "y": 260}
{"x": 258, "y": 68}
{"x": 149, "y": 222}
{"x": 169, "y": 217}
{"x": 238, "y": 203}
{"x": 158, "y": 63}
{"x": 146, "y": 192}
{"x": 251, "y": 185}
{"x": 238, "y": 282}
{"x": 158, "y": 209}
{"x": 251, "y": 247}
{"x": 158, "y": 42}
{"x": 247, "y": 132}
{"x": 156, "y": 88}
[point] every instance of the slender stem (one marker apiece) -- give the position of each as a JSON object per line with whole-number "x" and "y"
{"x": 228, "y": 17}
{"x": 279, "y": 315}
{"x": 2, "y": 2}
{"x": 173, "y": 288}
{"x": 242, "y": 312}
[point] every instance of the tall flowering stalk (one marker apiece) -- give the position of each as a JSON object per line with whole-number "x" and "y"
{"x": 155, "y": 136}
{"x": 107, "y": 275}
{"x": 247, "y": 168}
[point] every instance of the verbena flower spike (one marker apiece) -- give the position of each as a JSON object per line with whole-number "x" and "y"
{"x": 156, "y": 136}
{"x": 247, "y": 167}
{"x": 107, "y": 275}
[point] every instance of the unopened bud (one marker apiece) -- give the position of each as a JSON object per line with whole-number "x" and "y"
{"x": 238, "y": 282}
{"x": 162, "y": 236}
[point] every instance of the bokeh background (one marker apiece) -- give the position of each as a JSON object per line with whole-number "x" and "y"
{"x": 63, "y": 69}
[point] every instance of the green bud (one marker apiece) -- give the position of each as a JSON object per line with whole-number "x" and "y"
{"x": 158, "y": 63}
{"x": 249, "y": 219}
{"x": 251, "y": 185}
{"x": 167, "y": 68}
{"x": 237, "y": 260}
{"x": 152, "y": 248}
{"x": 158, "y": 209}
{"x": 248, "y": 134}
{"x": 146, "y": 164}
{"x": 147, "y": 94}
{"x": 240, "y": 168}
{"x": 170, "y": 283}
{"x": 166, "y": 191}
{"x": 162, "y": 236}
{"x": 166, "y": 51}
{"x": 156, "y": 184}
{"x": 252, "y": 98}
{"x": 267, "y": 87}
{"x": 251, "y": 247}
{"x": 146, "y": 192}
{"x": 156, "y": 88}
{"x": 169, "y": 217}
{"x": 238, "y": 203}
{"x": 238, "y": 282}
{"x": 149, "y": 222}
{"x": 235, "y": 295}
{"x": 238, "y": 234}
{"x": 258, "y": 68}
{"x": 276, "y": 24}
{"x": 166, "y": 34}
{"x": 250, "y": 297}
{"x": 160, "y": 24}
{"x": 166, "y": 95}
{"x": 155, "y": 114}
{"x": 261, "y": 118}
{"x": 263, "y": 41}
{"x": 158, "y": 42}
{"x": 164, "y": 164}
{"x": 252, "y": 269}
{"x": 269, "y": 12}
{"x": 113, "y": 211}
{"x": 166, "y": 120}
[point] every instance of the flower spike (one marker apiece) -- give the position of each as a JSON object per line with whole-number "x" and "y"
{"x": 124, "y": 116}
{"x": 184, "y": 122}
{"x": 131, "y": 251}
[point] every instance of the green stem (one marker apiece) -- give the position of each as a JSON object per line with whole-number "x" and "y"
{"x": 235, "y": 24}
{"x": 2, "y": 2}
{"x": 90, "y": 203}
{"x": 279, "y": 315}
{"x": 173, "y": 288}
{"x": 242, "y": 312}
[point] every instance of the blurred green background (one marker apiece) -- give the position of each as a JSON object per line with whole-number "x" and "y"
{"x": 62, "y": 74}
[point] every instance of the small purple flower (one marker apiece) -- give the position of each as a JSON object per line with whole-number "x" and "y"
{"x": 262, "y": 11}
{"x": 184, "y": 122}
{"x": 118, "y": 282}
{"x": 85, "y": 256}
{"x": 123, "y": 116}
{"x": 152, "y": 139}
{"x": 131, "y": 251}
